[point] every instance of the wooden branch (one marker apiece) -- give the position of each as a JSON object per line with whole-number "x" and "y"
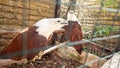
{"x": 54, "y": 47}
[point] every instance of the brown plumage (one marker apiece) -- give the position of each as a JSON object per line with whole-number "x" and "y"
{"x": 75, "y": 34}
{"x": 71, "y": 32}
{"x": 33, "y": 41}
{"x": 36, "y": 36}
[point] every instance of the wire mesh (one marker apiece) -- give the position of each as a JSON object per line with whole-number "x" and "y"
{"x": 90, "y": 13}
{"x": 102, "y": 11}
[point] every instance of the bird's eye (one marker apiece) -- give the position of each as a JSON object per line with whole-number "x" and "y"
{"x": 58, "y": 21}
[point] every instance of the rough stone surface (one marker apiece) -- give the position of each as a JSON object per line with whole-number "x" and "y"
{"x": 13, "y": 12}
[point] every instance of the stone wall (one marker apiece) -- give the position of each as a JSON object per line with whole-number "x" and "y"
{"x": 24, "y": 12}
{"x": 14, "y": 14}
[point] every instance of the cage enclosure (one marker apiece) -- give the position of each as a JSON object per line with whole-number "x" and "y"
{"x": 99, "y": 21}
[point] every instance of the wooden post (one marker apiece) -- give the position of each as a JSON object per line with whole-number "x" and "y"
{"x": 57, "y": 9}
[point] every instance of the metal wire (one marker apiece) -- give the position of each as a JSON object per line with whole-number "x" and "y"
{"x": 82, "y": 18}
{"x": 114, "y": 19}
{"x": 108, "y": 56}
{"x": 34, "y": 50}
{"x": 24, "y": 35}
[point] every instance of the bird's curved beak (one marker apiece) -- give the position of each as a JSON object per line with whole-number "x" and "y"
{"x": 64, "y": 23}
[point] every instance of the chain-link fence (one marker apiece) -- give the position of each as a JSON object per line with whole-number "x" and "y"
{"x": 95, "y": 15}
{"x": 99, "y": 21}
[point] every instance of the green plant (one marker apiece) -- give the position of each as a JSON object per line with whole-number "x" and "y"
{"x": 105, "y": 30}
{"x": 74, "y": 56}
{"x": 110, "y": 3}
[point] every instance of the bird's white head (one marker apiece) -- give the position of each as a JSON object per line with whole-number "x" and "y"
{"x": 71, "y": 16}
{"x": 47, "y": 26}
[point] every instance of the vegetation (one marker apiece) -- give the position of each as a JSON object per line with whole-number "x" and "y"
{"x": 101, "y": 31}
{"x": 110, "y": 3}
{"x": 74, "y": 56}
{"x": 105, "y": 30}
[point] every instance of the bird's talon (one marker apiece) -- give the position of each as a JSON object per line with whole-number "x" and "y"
{"x": 40, "y": 55}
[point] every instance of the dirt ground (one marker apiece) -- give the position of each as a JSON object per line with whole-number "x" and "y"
{"x": 50, "y": 60}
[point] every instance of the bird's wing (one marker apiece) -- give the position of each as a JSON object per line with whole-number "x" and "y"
{"x": 15, "y": 47}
